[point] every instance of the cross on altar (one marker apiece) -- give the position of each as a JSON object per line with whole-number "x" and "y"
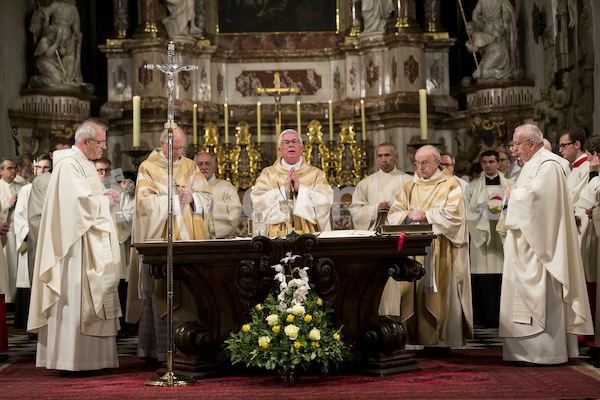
{"x": 277, "y": 91}
{"x": 169, "y": 379}
{"x": 169, "y": 69}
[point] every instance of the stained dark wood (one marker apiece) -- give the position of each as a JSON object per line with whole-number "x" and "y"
{"x": 227, "y": 277}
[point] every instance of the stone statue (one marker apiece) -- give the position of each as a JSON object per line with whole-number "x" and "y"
{"x": 494, "y": 35}
{"x": 58, "y": 47}
{"x": 181, "y": 21}
{"x": 375, "y": 14}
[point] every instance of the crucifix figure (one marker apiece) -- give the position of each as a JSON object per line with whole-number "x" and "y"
{"x": 169, "y": 379}
{"x": 277, "y": 91}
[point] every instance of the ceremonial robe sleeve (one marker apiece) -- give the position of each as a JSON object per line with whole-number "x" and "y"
{"x": 314, "y": 201}
{"x": 202, "y": 195}
{"x": 227, "y": 209}
{"x": 265, "y": 198}
{"x": 448, "y": 216}
{"x": 399, "y": 209}
{"x": 124, "y": 216}
{"x": 363, "y": 213}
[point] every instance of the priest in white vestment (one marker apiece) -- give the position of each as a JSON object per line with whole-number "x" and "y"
{"x": 544, "y": 302}
{"x": 24, "y": 272}
{"x": 589, "y": 202}
{"x": 486, "y": 195}
{"x": 9, "y": 190}
{"x": 226, "y": 207}
{"x": 436, "y": 310}
{"x": 74, "y": 301}
{"x": 313, "y": 196}
{"x": 572, "y": 147}
{"x": 146, "y": 296}
{"x": 371, "y": 202}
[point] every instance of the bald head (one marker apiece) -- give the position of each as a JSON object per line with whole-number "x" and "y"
{"x": 427, "y": 160}
{"x": 178, "y": 143}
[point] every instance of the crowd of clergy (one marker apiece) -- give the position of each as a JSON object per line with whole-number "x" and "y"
{"x": 515, "y": 248}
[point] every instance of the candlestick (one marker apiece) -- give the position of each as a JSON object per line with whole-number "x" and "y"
{"x": 136, "y": 121}
{"x": 362, "y": 120}
{"x": 330, "y": 121}
{"x": 195, "y": 122}
{"x": 226, "y": 112}
{"x": 258, "y": 122}
{"x": 423, "y": 113}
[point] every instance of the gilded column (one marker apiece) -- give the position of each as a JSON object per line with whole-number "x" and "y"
{"x": 406, "y": 12}
{"x": 149, "y": 24}
{"x": 433, "y": 19}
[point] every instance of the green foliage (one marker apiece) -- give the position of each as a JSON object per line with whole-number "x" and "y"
{"x": 270, "y": 342}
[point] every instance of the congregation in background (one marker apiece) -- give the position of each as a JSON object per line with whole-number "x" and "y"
{"x": 515, "y": 248}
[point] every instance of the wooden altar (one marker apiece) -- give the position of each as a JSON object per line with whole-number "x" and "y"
{"x": 228, "y": 277}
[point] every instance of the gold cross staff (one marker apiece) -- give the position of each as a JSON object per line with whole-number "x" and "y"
{"x": 277, "y": 91}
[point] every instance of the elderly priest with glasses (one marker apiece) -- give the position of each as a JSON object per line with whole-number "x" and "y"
{"x": 436, "y": 310}
{"x": 289, "y": 176}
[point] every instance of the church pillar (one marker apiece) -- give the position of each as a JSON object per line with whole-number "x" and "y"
{"x": 120, "y": 19}
{"x": 406, "y": 12}
{"x": 149, "y": 26}
{"x": 433, "y": 19}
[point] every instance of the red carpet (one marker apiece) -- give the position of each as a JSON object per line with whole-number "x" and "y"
{"x": 468, "y": 374}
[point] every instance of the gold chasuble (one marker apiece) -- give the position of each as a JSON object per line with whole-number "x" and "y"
{"x": 311, "y": 207}
{"x": 150, "y": 221}
{"x": 439, "y": 310}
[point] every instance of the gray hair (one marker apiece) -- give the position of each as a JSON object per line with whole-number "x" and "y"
{"x": 392, "y": 145}
{"x": 531, "y": 132}
{"x": 6, "y": 159}
{"x": 87, "y": 129}
{"x": 212, "y": 157}
{"x": 289, "y": 131}
{"x": 434, "y": 151}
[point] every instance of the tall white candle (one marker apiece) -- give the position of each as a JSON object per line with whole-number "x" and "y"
{"x": 363, "y": 124}
{"x": 299, "y": 120}
{"x": 330, "y": 120}
{"x": 195, "y": 121}
{"x": 258, "y": 122}
{"x": 423, "y": 113}
{"x": 136, "y": 121}
{"x": 226, "y": 112}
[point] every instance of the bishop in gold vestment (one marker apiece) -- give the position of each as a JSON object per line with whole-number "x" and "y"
{"x": 311, "y": 207}
{"x": 191, "y": 204}
{"x": 437, "y": 309}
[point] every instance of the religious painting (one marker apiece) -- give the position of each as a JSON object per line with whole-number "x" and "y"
{"x": 251, "y": 16}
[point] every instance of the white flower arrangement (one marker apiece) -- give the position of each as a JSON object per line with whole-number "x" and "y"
{"x": 291, "y": 328}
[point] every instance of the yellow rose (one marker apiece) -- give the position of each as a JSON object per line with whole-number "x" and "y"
{"x": 319, "y": 302}
{"x": 290, "y": 318}
{"x": 246, "y": 328}
{"x": 297, "y": 345}
{"x": 316, "y": 344}
{"x": 276, "y": 328}
{"x": 259, "y": 307}
{"x": 308, "y": 318}
{"x": 336, "y": 336}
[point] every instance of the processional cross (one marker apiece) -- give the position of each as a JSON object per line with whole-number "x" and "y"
{"x": 277, "y": 91}
{"x": 169, "y": 379}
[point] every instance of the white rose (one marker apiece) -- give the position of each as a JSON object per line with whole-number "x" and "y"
{"x": 292, "y": 331}
{"x": 297, "y": 309}
{"x": 314, "y": 334}
{"x": 263, "y": 341}
{"x": 272, "y": 319}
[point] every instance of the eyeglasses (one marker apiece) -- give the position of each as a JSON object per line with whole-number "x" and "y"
{"x": 290, "y": 142}
{"x": 178, "y": 148}
{"x": 563, "y": 145}
{"x": 421, "y": 163}
{"x": 519, "y": 143}
{"x": 100, "y": 142}
{"x": 105, "y": 170}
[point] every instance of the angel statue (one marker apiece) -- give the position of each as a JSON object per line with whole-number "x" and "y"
{"x": 57, "y": 35}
